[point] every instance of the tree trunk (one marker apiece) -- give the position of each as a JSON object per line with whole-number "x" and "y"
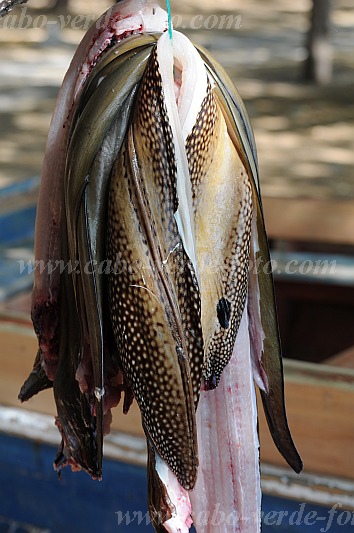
{"x": 318, "y": 66}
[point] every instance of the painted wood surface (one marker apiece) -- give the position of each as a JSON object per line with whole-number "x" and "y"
{"x": 30, "y": 493}
{"x": 310, "y": 220}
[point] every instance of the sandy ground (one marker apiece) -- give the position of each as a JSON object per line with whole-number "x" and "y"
{"x": 305, "y": 134}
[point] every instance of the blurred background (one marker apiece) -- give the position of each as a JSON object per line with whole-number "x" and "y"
{"x": 292, "y": 63}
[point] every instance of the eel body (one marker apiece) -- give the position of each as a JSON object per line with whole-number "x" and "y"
{"x": 150, "y": 207}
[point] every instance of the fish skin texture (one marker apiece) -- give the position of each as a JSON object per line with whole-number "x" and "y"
{"x": 161, "y": 183}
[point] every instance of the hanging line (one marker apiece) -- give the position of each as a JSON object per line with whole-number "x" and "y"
{"x": 168, "y": 5}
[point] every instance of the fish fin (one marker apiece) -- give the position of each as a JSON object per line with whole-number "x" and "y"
{"x": 273, "y": 398}
{"x": 128, "y": 396}
{"x": 36, "y": 381}
{"x": 75, "y": 421}
{"x": 89, "y": 303}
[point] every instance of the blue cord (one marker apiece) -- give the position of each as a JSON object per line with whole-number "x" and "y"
{"x": 168, "y": 5}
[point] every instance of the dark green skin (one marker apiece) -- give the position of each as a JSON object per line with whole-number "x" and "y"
{"x": 98, "y": 131}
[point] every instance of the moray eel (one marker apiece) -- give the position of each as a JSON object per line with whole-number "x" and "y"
{"x": 150, "y": 209}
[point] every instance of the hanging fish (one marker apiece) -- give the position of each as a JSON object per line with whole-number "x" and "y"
{"x": 150, "y": 206}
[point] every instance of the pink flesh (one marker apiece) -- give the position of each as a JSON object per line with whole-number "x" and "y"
{"x": 45, "y": 296}
{"x": 181, "y": 521}
{"x": 227, "y": 496}
{"x": 132, "y": 17}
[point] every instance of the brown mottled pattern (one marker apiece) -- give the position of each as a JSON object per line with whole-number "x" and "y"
{"x": 205, "y": 151}
{"x": 200, "y": 141}
{"x": 154, "y": 297}
{"x": 154, "y": 138}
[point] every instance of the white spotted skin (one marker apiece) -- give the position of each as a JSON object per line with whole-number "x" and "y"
{"x": 154, "y": 299}
{"x": 222, "y": 200}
